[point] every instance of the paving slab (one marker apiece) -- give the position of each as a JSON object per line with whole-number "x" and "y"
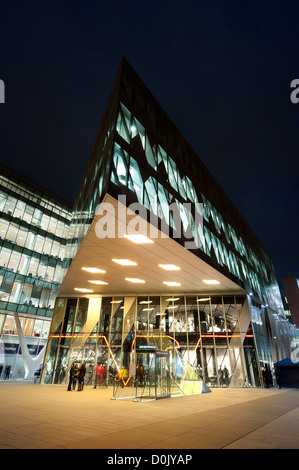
{"x": 48, "y": 417}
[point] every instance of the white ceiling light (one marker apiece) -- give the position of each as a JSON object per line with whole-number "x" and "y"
{"x": 94, "y": 270}
{"x": 173, "y": 299}
{"x": 172, "y": 306}
{"x": 145, "y": 302}
{"x": 125, "y": 262}
{"x": 203, "y": 299}
{"x": 99, "y": 283}
{"x": 171, "y": 283}
{"x": 210, "y": 281}
{"x": 139, "y": 238}
{"x": 133, "y": 279}
{"x": 79, "y": 289}
{"x": 169, "y": 267}
{"x": 147, "y": 309}
{"x": 116, "y": 301}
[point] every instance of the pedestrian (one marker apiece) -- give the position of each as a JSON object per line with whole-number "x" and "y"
{"x": 7, "y": 371}
{"x": 97, "y": 375}
{"x": 226, "y": 376}
{"x": 265, "y": 375}
{"x": 277, "y": 377}
{"x": 102, "y": 374}
{"x": 1, "y": 368}
{"x": 81, "y": 377}
{"x": 221, "y": 377}
{"x": 73, "y": 377}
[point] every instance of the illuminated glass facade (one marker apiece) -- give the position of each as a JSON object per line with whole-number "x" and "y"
{"x": 140, "y": 154}
{"x": 34, "y": 226}
{"x": 202, "y": 334}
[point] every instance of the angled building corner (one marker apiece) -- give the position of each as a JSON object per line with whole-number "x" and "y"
{"x": 223, "y": 290}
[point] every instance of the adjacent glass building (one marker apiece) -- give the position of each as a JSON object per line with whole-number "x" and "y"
{"x": 34, "y": 228}
{"x": 161, "y": 272}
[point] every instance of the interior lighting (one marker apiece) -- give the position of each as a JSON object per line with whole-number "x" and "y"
{"x": 79, "y": 289}
{"x": 147, "y": 309}
{"x": 125, "y": 262}
{"x": 172, "y": 306}
{"x": 139, "y": 238}
{"x": 133, "y": 279}
{"x": 116, "y": 301}
{"x": 171, "y": 283}
{"x": 203, "y": 299}
{"x": 173, "y": 299}
{"x": 210, "y": 281}
{"x": 145, "y": 302}
{"x": 169, "y": 267}
{"x": 98, "y": 283}
{"x": 94, "y": 270}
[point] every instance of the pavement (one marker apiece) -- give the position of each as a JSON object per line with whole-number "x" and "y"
{"x": 35, "y": 416}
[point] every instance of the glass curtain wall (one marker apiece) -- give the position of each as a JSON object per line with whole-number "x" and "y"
{"x": 203, "y": 332}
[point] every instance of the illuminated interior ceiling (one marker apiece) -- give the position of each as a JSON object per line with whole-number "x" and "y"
{"x": 144, "y": 260}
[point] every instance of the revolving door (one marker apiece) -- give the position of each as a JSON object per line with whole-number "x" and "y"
{"x": 152, "y": 373}
{"x": 148, "y": 377}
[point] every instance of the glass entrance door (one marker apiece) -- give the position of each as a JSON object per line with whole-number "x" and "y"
{"x": 152, "y": 374}
{"x": 162, "y": 383}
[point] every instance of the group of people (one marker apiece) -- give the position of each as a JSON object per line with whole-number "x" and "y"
{"x": 77, "y": 374}
{"x": 7, "y": 370}
{"x": 267, "y": 379}
{"x": 223, "y": 376}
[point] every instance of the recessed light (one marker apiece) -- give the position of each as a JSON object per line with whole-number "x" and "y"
{"x": 171, "y": 283}
{"x": 139, "y": 238}
{"x": 133, "y": 279}
{"x": 172, "y": 306}
{"x": 203, "y": 299}
{"x": 145, "y": 302}
{"x": 79, "y": 289}
{"x": 169, "y": 267}
{"x": 173, "y": 299}
{"x": 210, "y": 281}
{"x": 94, "y": 270}
{"x": 116, "y": 301}
{"x": 125, "y": 262}
{"x": 147, "y": 309}
{"x": 98, "y": 283}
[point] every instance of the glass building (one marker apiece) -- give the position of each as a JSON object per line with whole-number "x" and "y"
{"x": 34, "y": 228}
{"x": 163, "y": 274}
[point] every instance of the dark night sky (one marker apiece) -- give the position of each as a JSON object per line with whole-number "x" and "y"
{"x": 220, "y": 69}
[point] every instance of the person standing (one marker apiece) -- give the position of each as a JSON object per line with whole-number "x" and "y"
{"x": 1, "y": 368}
{"x": 7, "y": 371}
{"x": 265, "y": 375}
{"x": 226, "y": 376}
{"x": 277, "y": 377}
{"x": 73, "y": 377}
{"x": 97, "y": 376}
{"x": 81, "y": 377}
{"x": 102, "y": 374}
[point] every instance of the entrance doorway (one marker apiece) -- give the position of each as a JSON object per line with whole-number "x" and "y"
{"x": 150, "y": 377}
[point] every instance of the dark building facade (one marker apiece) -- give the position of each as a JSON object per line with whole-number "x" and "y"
{"x": 219, "y": 304}
{"x": 291, "y": 290}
